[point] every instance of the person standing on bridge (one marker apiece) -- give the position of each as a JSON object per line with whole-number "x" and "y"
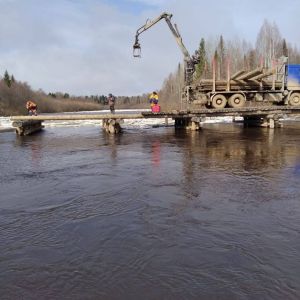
{"x": 31, "y": 108}
{"x": 153, "y": 99}
{"x": 111, "y": 103}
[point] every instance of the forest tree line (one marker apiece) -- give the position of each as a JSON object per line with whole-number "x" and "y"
{"x": 14, "y": 94}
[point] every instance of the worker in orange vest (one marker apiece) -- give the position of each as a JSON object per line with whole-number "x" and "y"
{"x": 153, "y": 99}
{"x": 31, "y": 107}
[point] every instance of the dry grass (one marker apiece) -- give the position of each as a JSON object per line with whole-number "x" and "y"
{"x": 13, "y": 100}
{"x": 52, "y": 105}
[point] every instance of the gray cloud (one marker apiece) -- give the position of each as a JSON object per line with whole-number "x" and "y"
{"x": 85, "y": 47}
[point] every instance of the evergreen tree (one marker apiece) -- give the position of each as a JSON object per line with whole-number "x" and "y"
{"x": 216, "y": 64}
{"x": 200, "y": 67}
{"x": 53, "y": 95}
{"x": 246, "y": 67}
{"x": 285, "y": 51}
{"x": 221, "y": 59}
{"x": 7, "y": 79}
{"x": 252, "y": 59}
{"x": 12, "y": 79}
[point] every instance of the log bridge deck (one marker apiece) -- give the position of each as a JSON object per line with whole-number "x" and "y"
{"x": 266, "y": 116}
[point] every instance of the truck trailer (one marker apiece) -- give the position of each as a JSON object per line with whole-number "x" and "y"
{"x": 279, "y": 85}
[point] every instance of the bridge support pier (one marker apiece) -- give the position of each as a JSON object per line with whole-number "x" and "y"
{"x": 180, "y": 123}
{"x": 188, "y": 123}
{"x": 112, "y": 125}
{"x": 27, "y": 127}
{"x": 269, "y": 121}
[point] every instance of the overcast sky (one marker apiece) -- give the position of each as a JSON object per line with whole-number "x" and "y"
{"x": 84, "y": 47}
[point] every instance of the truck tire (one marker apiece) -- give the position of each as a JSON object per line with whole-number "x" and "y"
{"x": 237, "y": 100}
{"x": 218, "y": 101}
{"x": 294, "y": 99}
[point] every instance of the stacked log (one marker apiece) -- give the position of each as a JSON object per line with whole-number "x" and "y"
{"x": 250, "y": 74}
{"x": 237, "y": 74}
{"x": 263, "y": 75}
{"x": 221, "y": 85}
{"x": 252, "y": 80}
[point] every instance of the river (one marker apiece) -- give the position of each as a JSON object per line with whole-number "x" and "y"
{"x": 153, "y": 213}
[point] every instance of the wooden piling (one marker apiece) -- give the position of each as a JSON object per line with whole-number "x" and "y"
{"x": 166, "y": 121}
{"x": 262, "y": 121}
{"x": 192, "y": 123}
{"x": 112, "y": 126}
{"x": 27, "y": 127}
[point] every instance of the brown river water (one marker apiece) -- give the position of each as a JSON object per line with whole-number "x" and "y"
{"x": 151, "y": 214}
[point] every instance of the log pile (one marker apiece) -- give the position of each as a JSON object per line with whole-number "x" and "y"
{"x": 258, "y": 79}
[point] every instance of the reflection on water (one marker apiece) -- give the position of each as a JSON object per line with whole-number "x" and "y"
{"x": 155, "y": 153}
{"x": 113, "y": 141}
{"x": 154, "y": 212}
{"x": 245, "y": 149}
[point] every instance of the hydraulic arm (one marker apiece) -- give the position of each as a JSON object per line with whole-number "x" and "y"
{"x": 189, "y": 62}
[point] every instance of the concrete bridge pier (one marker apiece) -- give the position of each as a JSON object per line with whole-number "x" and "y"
{"x": 27, "y": 127}
{"x": 112, "y": 126}
{"x": 268, "y": 121}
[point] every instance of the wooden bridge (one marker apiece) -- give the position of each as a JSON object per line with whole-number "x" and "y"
{"x": 266, "y": 116}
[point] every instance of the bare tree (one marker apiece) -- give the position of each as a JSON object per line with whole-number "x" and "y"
{"x": 268, "y": 43}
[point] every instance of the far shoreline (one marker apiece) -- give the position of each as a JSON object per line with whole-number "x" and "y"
{"x": 2, "y": 130}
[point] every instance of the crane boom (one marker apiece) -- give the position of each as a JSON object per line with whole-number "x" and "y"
{"x": 189, "y": 62}
{"x": 173, "y": 29}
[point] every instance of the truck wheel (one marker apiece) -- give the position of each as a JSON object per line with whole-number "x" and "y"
{"x": 218, "y": 101}
{"x": 236, "y": 100}
{"x": 294, "y": 99}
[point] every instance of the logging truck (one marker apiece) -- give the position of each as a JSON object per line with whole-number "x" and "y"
{"x": 277, "y": 85}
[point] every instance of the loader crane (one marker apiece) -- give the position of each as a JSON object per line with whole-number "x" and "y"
{"x": 189, "y": 61}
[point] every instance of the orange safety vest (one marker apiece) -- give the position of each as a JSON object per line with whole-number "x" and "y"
{"x": 30, "y": 105}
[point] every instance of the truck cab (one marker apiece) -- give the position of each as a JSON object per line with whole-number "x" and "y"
{"x": 293, "y": 77}
{"x": 292, "y": 84}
